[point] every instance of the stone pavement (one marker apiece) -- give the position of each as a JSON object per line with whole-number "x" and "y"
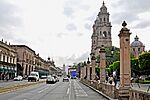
{"x": 138, "y": 86}
{"x": 141, "y": 87}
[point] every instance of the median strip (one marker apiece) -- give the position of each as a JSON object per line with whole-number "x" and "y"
{"x": 17, "y": 87}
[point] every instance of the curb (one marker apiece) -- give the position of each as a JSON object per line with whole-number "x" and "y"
{"x": 107, "y": 97}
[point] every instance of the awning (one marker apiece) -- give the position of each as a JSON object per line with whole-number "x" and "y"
{"x": 1, "y": 70}
{"x": 42, "y": 72}
{"x": 5, "y": 69}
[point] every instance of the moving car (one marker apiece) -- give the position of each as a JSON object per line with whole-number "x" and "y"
{"x": 50, "y": 80}
{"x": 65, "y": 79}
{"x": 33, "y": 76}
{"x": 18, "y": 78}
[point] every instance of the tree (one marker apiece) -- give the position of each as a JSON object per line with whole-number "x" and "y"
{"x": 144, "y": 63}
{"x": 135, "y": 67}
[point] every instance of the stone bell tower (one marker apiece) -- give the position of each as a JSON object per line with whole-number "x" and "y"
{"x": 101, "y": 31}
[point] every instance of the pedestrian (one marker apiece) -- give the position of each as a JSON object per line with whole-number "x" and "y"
{"x": 110, "y": 79}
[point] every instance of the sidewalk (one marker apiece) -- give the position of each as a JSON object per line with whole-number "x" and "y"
{"x": 141, "y": 87}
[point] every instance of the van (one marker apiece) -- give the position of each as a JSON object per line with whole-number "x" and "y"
{"x": 34, "y": 76}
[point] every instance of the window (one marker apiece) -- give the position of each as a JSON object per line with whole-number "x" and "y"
{"x": 104, "y": 19}
{"x": 133, "y": 49}
{"x": 3, "y": 58}
{"x": 7, "y": 59}
{"x": 138, "y": 49}
{"x": 94, "y": 41}
{"x": 100, "y": 19}
{"x": 104, "y": 34}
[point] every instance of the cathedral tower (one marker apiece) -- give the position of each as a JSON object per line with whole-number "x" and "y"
{"x": 101, "y": 31}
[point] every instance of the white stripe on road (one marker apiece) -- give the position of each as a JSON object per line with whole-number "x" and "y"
{"x": 78, "y": 90}
{"x": 68, "y": 90}
{"x": 45, "y": 88}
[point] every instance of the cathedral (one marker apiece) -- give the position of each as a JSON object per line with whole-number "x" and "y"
{"x": 101, "y": 35}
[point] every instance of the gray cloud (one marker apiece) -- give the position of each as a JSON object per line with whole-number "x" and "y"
{"x": 129, "y": 10}
{"x": 71, "y": 27}
{"x": 9, "y": 20}
{"x": 74, "y": 5}
{"x": 87, "y": 26}
{"x": 72, "y": 59}
{"x": 135, "y": 6}
{"x": 142, "y": 24}
{"x": 117, "y": 18}
{"x": 68, "y": 11}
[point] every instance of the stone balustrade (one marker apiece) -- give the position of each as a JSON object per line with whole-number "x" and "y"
{"x": 107, "y": 89}
{"x": 111, "y": 91}
{"x": 139, "y": 95}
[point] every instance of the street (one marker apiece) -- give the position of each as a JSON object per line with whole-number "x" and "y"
{"x": 72, "y": 90}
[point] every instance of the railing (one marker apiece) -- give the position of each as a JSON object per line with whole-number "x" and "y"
{"x": 108, "y": 89}
{"x": 139, "y": 95}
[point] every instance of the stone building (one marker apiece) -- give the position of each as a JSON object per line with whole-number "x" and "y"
{"x": 8, "y": 59}
{"x": 101, "y": 31}
{"x": 137, "y": 47}
{"x": 28, "y": 60}
{"x": 25, "y": 59}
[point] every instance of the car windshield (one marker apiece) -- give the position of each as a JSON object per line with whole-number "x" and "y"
{"x": 33, "y": 74}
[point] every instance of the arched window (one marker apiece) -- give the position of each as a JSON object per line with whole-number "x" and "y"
{"x": 107, "y": 19}
{"x": 100, "y": 19}
{"x": 94, "y": 41}
{"x": 100, "y": 33}
{"x": 108, "y": 32}
{"x": 104, "y": 19}
{"x": 104, "y": 34}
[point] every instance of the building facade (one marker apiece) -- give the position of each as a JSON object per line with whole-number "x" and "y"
{"x": 8, "y": 60}
{"x": 101, "y": 31}
{"x": 137, "y": 47}
{"x": 25, "y": 59}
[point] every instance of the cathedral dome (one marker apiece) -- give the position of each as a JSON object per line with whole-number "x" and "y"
{"x": 136, "y": 42}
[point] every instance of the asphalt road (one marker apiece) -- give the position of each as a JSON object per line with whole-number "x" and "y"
{"x": 72, "y": 90}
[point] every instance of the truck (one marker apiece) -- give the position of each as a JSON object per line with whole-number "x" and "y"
{"x": 73, "y": 74}
{"x": 34, "y": 76}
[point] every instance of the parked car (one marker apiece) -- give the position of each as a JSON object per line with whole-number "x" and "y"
{"x": 18, "y": 78}
{"x": 50, "y": 80}
{"x": 56, "y": 78}
{"x": 33, "y": 76}
{"x": 65, "y": 79}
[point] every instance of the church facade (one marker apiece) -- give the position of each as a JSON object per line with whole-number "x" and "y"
{"x": 101, "y": 35}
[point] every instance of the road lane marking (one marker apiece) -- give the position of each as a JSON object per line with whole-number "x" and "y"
{"x": 68, "y": 91}
{"x": 78, "y": 90}
{"x": 43, "y": 90}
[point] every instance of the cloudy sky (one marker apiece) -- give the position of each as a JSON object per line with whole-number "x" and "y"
{"x": 62, "y": 29}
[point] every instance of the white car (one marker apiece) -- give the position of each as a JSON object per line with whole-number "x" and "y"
{"x": 18, "y": 78}
{"x": 34, "y": 76}
{"x": 50, "y": 79}
{"x": 65, "y": 79}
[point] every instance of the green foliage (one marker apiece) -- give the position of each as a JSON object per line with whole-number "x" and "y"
{"x": 97, "y": 70}
{"x": 135, "y": 66}
{"x": 110, "y": 58}
{"x": 144, "y": 62}
{"x": 116, "y": 65}
{"x": 111, "y": 68}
